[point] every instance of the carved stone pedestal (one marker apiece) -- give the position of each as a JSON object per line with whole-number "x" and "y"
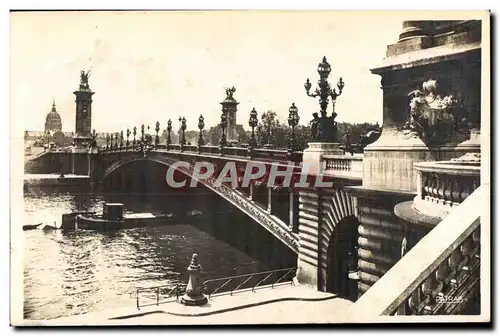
{"x": 80, "y": 158}
{"x": 313, "y": 155}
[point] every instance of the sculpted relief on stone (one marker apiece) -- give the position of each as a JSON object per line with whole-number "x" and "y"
{"x": 434, "y": 117}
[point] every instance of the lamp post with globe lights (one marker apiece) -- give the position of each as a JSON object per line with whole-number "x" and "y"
{"x": 252, "y": 122}
{"x": 223, "y": 125}
{"x": 169, "y": 129}
{"x": 183, "y": 131}
{"x": 201, "y": 126}
{"x": 293, "y": 121}
{"x": 326, "y": 130}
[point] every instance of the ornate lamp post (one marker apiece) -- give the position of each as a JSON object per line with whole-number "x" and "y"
{"x": 293, "y": 121}
{"x": 121, "y": 140}
{"x": 183, "y": 130}
{"x": 111, "y": 144}
{"x": 252, "y": 122}
{"x": 107, "y": 140}
{"x": 223, "y": 125}
{"x": 201, "y": 126}
{"x": 169, "y": 129}
{"x": 134, "y": 133}
{"x": 142, "y": 133}
{"x": 157, "y": 129}
{"x": 326, "y": 127}
{"x": 128, "y": 135}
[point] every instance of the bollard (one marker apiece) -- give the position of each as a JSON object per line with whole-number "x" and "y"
{"x": 194, "y": 296}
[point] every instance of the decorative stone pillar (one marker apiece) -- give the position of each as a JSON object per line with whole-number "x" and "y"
{"x": 422, "y": 86}
{"x": 313, "y": 154}
{"x": 83, "y": 126}
{"x": 194, "y": 295}
{"x": 229, "y": 108}
{"x": 412, "y": 29}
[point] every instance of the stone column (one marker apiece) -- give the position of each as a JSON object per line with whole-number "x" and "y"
{"x": 230, "y": 107}
{"x": 388, "y": 162}
{"x": 412, "y": 29}
{"x": 83, "y": 125}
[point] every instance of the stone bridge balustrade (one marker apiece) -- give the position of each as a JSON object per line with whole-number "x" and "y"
{"x": 440, "y": 275}
{"x": 342, "y": 163}
{"x": 443, "y": 185}
{"x": 257, "y": 153}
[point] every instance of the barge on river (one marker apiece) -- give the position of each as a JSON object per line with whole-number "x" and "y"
{"x": 114, "y": 218}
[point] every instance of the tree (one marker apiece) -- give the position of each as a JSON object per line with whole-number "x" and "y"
{"x": 215, "y": 132}
{"x": 173, "y": 137}
{"x": 268, "y": 130}
{"x": 243, "y": 136}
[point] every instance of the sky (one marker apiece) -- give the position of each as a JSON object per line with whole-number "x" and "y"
{"x": 152, "y": 66}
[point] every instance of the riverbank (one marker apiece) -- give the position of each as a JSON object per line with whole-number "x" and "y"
{"x": 43, "y": 180}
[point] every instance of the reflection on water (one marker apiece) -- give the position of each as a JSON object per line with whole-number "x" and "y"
{"x": 84, "y": 271}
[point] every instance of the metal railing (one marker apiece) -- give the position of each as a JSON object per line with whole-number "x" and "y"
{"x": 281, "y": 276}
{"x": 260, "y": 277}
{"x": 171, "y": 292}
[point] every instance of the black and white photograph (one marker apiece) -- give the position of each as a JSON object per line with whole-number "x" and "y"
{"x": 180, "y": 168}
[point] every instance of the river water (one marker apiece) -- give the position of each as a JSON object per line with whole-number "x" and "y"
{"x": 86, "y": 271}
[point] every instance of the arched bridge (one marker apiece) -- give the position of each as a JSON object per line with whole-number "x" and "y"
{"x": 284, "y": 225}
{"x": 319, "y": 224}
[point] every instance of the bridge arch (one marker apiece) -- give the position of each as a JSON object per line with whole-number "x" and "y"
{"x": 337, "y": 242}
{"x": 163, "y": 160}
{"x": 255, "y": 211}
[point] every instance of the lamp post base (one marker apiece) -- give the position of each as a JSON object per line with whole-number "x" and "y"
{"x": 194, "y": 301}
{"x": 313, "y": 155}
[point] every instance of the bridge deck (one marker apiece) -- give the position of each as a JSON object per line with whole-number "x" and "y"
{"x": 282, "y": 304}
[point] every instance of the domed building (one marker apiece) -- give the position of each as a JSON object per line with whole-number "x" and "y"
{"x": 53, "y": 120}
